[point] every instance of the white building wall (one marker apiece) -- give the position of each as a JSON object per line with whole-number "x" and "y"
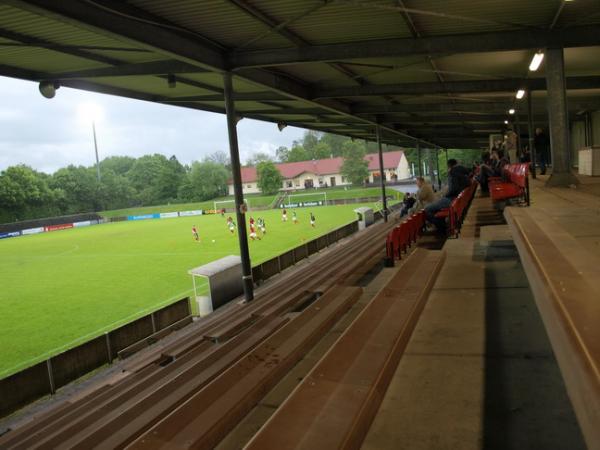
{"x": 403, "y": 170}
{"x": 249, "y": 188}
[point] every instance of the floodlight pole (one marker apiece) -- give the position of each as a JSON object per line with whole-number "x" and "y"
{"x": 531, "y": 131}
{"x": 96, "y": 149}
{"x": 240, "y": 214}
{"x": 419, "y": 158}
{"x": 381, "y": 173}
{"x": 437, "y": 164}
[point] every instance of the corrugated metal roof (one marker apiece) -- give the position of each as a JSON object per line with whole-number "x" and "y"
{"x": 346, "y": 22}
{"x": 51, "y": 30}
{"x": 315, "y": 22}
{"x": 441, "y": 17}
{"x": 43, "y": 60}
{"x": 217, "y": 20}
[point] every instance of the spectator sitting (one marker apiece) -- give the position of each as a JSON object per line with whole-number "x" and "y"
{"x": 424, "y": 195}
{"x": 408, "y": 203}
{"x": 487, "y": 168}
{"x": 458, "y": 179}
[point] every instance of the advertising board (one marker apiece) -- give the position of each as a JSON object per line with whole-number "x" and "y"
{"x": 62, "y": 226}
{"x": 33, "y": 230}
{"x": 144, "y": 217}
{"x": 168, "y": 215}
{"x": 196, "y": 212}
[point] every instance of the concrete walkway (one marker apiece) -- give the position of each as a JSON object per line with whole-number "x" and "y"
{"x": 479, "y": 371}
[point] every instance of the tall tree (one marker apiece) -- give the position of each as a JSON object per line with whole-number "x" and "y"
{"x": 120, "y": 165}
{"x": 269, "y": 178}
{"x": 334, "y": 142}
{"x": 355, "y": 168}
{"x": 205, "y": 181}
{"x": 156, "y": 178}
{"x": 298, "y": 153}
{"x": 257, "y": 158}
{"x": 282, "y": 154}
{"x": 80, "y": 189}
{"x": 219, "y": 157}
{"x": 25, "y": 194}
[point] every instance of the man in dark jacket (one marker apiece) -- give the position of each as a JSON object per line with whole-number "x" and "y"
{"x": 542, "y": 149}
{"x": 458, "y": 179}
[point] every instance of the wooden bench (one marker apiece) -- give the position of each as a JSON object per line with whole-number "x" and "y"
{"x": 153, "y": 338}
{"x": 206, "y": 417}
{"x": 564, "y": 280}
{"x": 335, "y": 404}
{"x": 125, "y": 416}
{"x": 158, "y": 382}
{"x": 514, "y": 183}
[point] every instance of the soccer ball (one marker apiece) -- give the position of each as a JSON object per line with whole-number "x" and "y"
{"x": 213, "y": 241}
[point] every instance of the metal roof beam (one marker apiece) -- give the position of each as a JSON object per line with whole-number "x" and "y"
{"x": 583, "y": 36}
{"x": 16, "y": 72}
{"x": 491, "y": 118}
{"x": 137, "y": 27}
{"x": 281, "y": 29}
{"x": 124, "y": 70}
{"x": 474, "y": 108}
{"x": 455, "y": 87}
{"x": 239, "y": 96}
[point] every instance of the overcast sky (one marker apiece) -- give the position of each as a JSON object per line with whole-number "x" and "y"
{"x": 49, "y": 134}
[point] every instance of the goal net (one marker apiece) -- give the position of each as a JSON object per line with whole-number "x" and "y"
{"x": 300, "y": 200}
{"x": 228, "y": 204}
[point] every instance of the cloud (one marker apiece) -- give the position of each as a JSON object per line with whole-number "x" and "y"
{"x": 49, "y": 134}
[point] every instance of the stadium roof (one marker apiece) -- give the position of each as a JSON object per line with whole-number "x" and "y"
{"x": 326, "y": 166}
{"x": 443, "y": 71}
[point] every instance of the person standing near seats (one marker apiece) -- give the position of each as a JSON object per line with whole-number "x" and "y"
{"x": 542, "y": 149}
{"x": 458, "y": 179}
{"x": 510, "y": 146}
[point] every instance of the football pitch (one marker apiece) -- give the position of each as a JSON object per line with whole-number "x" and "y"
{"x": 63, "y": 288}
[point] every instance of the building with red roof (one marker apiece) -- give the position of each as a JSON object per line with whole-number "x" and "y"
{"x": 327, "y": 172}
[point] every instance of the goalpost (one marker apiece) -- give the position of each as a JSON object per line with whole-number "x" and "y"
{"x": 224, "y": 204}
{"x": 318, "y": 198}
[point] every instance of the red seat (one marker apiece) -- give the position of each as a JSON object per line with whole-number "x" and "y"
{"x": 515, "y": 183}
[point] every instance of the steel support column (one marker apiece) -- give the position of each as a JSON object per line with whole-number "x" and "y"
{"x": 420, "y": 161}
{"x": 437, "y": 165}
{"x": 430, "y": 166}
{"x": 240, "y": 211}
{"x": 531, "y": 131}
{"x": 381, "y": 174}
{"x": 558, "y": 118}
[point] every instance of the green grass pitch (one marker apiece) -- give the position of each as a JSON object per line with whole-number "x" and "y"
{"x": 62, "y": 288}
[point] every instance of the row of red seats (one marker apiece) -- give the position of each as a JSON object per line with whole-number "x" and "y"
{"x": 403, "y": 236}
{"x": 514, "y": 183}
{"x": 458, "y": 209}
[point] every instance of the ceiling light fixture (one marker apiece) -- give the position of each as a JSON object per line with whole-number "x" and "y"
{"x": 536, "y": 61}
{"x": 506, "y": 122}
{"x": 511, "y": 111}
{"x": 520, "y": 94}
